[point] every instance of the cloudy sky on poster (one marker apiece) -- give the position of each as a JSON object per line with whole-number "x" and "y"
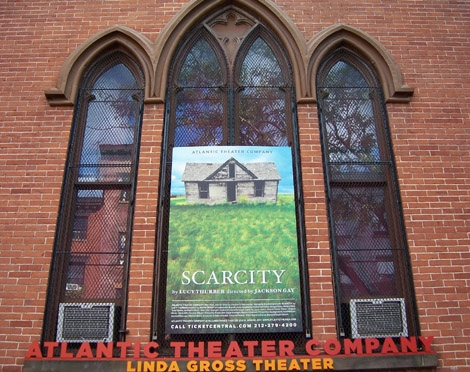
{"x": 281, "y": 156}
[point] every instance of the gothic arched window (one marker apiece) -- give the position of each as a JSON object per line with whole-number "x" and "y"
{"x": 370, "y": 257}
{"x": 88, "y": 286}
{"x": 215, "y": 102}
{"x": 230, "y": 94}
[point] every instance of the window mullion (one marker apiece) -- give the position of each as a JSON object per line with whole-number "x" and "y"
{"x": 231, "y": 117}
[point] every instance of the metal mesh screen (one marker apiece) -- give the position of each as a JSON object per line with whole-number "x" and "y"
{"x": 252, "y": 110}
{"x": 262, "y": 98}
{"x": 92, "y": 257}
{"x": 369, "y": 259}
{"x": 349, "y": 119}
{"x": 262, "y": 116}
{"x": 97, "y": 252}
{"x": 364, "y": 252}
{"x": 200, "y": 108}
{"x": 113, "y": 110}
{"x": 200, "y": 117}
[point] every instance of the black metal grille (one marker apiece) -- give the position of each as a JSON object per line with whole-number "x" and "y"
{"x": 252, "y": 109}
{"x": 205, "y": 105}
{"x": 384, "y": 317}
{"x": 369, "y": 254}
{"x": 86, "y": 323}
{"x": 92, "y": 253}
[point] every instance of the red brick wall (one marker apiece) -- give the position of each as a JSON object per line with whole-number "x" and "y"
{"x": 429, "y": 40}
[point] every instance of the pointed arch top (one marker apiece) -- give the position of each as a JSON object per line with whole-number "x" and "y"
{"x": 342, "y": 35}
{"x": 155, "y": 57}
{"x": 114, "y": 38}
{"x": 197, "y": 11}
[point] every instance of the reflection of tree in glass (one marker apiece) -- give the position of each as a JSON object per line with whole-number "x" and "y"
{"x": 199, "y": 103}
{"x": 364, "y": 252}
{"x": 348, "y": 116}
{"x": 362, "y": 207}
{"x": 262, "y": 98}
{"x": 111, "y": 117}
{"x": 201, "y": 67}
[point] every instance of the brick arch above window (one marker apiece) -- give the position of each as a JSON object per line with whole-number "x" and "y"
{"x": 341, "y": 35}
{"x": 115, "y": 38}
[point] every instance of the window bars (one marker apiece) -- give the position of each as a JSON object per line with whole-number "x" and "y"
{"x": 90, "y": 262}
{"x": 369, "y": 250}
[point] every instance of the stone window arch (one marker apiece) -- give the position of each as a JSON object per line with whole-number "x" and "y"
{"x": 371, "y": 264}
{"x": 341, "y": 35}
{"x": 122, "y": 38}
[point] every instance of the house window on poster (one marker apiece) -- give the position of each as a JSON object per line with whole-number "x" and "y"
{"x": 203, "y": 190}
{"x": 259, "y": 188}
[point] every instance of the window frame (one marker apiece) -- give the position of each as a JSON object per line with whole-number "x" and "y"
{"x": 72, "y": 185}
{"x": 259, "y": 188}
{"x": 388, "y": 183}
{"x": 231, "y": 89}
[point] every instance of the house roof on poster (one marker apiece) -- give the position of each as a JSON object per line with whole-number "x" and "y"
{"x": 205, "y": 171}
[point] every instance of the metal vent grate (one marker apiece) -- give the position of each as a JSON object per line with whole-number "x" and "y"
{"x": 85, "y": 323}
{"x": 378, "y": 318}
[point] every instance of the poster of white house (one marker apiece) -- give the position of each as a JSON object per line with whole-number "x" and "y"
{"x": 233, "y": 263}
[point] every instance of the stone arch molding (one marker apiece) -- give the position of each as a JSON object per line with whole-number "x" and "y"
{"x": 155, "y": 57}
{"x": 114, "y": 38}
{"x": 341, "y": 35}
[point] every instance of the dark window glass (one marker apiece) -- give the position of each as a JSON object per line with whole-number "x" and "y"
{"x": 90, "y": 252}
{"x": 369, "y": 250}
{"x": 199, "y": 112}
{"x": 203, "y": 190}
{"x": 231, "y": 170}
{"x": 76, "y": 274}
{"x": 80, "y": 227}
{"x": 259, "y": 188}
{"x": 232, "y": 91}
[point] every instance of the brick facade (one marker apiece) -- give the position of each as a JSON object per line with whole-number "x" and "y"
{"x": 429, "y": 41}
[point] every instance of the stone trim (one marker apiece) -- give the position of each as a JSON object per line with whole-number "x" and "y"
{"x": 155, "y": 58}
{"x": 114, "y": 38}
{"x": 341, "y": 35}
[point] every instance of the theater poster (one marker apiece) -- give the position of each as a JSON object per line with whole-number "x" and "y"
{"x": 233, "y": 264}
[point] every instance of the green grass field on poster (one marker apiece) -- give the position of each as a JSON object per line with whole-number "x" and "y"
{"x": 233, "y": 237}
